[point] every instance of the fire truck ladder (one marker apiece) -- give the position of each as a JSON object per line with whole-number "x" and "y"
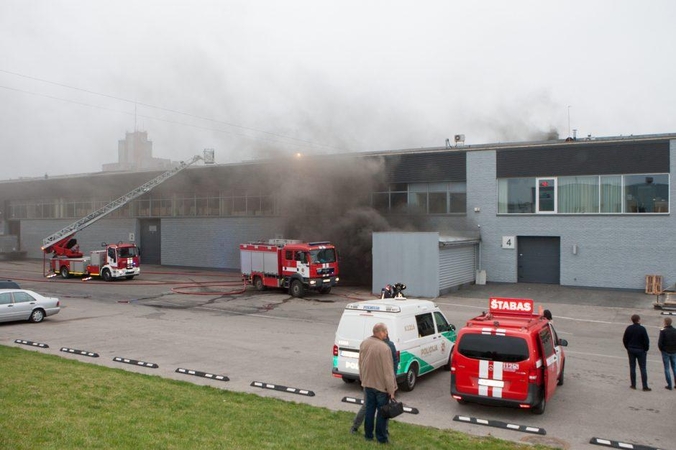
{"x": 126, "y": 198}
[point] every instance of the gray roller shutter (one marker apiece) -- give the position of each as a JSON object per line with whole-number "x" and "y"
{"x": 457, "y": 266}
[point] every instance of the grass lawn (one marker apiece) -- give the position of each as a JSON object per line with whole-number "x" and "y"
{"x": 48, "y": 402}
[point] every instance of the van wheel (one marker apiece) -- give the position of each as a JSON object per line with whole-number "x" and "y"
{"x": 296, "y": 289}
{"x": 411, "y": 378}
{"x": 64, "y": 272}
{"x": 447, "y": 366}
{"x": 349, "y": 380}
{"x": 258, "y": 284}
{"x": 563, "y": 368}
{"x": 540, "y": 407}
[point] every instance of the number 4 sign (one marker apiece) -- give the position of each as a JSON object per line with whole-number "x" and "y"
{"x": 509, "y": 242}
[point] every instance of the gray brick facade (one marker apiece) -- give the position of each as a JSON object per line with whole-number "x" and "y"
{"x": 614, "y": 251}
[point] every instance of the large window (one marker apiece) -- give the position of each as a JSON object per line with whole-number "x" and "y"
{"x": 516, "y": 195}
{"x": 578, "y": 195}
{"x": 596, "y": 194}
{"x": 238, "y": 202}
{"x": 422, "y": 198}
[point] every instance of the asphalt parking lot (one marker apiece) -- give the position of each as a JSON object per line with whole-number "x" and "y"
{"x": 205, "y": 321}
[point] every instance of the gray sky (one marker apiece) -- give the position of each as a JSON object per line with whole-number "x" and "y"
{"x": 254, "y": 78}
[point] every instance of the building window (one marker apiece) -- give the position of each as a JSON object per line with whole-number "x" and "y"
{"x": 516, "y": 195}
{"x": 611, "y": 194}
{"x": 546, "y": 198}
{"x": 422, "y": 198}
{"x": 646, "y": 193}
{"x": 597, "y": 194}
{"x": 578, "y": 195}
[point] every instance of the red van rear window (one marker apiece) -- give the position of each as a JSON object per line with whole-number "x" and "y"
{"x": 493, "y": 348}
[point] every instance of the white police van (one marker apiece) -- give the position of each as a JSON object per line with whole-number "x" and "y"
{"x": 419, "y": 330}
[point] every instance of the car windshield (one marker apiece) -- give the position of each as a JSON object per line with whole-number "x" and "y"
{"x": 128, "y": 252}
{"x": 493, "y": 348}
{"x": 325, "y": 255}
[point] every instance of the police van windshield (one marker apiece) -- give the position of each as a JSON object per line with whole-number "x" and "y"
{"x": 493, "y": 348}
{"x": 322, "y": 256}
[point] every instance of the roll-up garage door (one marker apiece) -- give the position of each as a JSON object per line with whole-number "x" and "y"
{"x": 457, "y": 266}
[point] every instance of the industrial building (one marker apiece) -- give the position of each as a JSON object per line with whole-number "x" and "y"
{"x": 591, "y": 212}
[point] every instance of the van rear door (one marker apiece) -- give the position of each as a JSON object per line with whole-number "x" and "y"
{"x": 491, "y": 365}
{"x": 549, "y": 360}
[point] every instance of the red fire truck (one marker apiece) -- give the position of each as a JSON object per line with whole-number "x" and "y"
{"x": 290, "y": 264}
{"x": 116, "y": 260}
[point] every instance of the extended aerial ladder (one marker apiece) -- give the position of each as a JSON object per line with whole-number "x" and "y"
{"x": 61, "y": 242}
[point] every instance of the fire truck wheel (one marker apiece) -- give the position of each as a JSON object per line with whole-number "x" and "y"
{"x": 296, "y": 289}
{"x": 37, "y": 316}
{"x": 258, "y": 284}
{"x": 540, "y": 407}
{"x": 64, "y": 272}
{"x": 105, "y": 274}
{"x": 563, "y": 368}
{"x": 411, "y": 378}
{"x": 325, "y": 289}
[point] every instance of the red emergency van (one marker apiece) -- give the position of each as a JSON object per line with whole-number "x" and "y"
{"x": 510, "y": 356}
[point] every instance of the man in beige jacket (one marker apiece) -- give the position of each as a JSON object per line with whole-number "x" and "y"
{"x": 376, "y": 372}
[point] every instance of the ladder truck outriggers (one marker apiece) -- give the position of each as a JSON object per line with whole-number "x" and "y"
{"x": 114, "y": 261}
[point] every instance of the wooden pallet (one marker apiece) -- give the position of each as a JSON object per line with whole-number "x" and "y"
{"x": 653, "y": 284}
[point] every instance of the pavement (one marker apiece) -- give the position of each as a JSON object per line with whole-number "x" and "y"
{"x": 555, "y": 294}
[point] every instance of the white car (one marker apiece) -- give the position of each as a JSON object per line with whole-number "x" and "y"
{"x": 21, "y": 304}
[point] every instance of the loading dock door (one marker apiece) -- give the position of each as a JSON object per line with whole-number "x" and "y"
{"x": 539, "y": 259}
{"x": 151, "y": 239}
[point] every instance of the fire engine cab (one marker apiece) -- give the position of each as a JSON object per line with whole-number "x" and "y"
{"x": 510, "y": 356}
{"x": 290, "y": 264}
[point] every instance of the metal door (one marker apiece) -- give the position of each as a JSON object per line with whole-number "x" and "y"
{"x": 151, "y": 241}
{"x": 539, "y": 259}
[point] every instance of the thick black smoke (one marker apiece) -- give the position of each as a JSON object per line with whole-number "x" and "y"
{"x": 330, "y": 200}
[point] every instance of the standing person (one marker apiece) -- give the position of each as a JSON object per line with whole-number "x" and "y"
{"x": 359, "y": 418}
{"x": 637, "y": 343}
{"x": 547, "y": 314}
{"x": 376, "y": 372}
{"x": 667, "y": 345}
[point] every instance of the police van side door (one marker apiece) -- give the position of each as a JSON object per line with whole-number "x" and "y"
{"x": 550, "y": 361}
{"x": 446, "y": 336}
{"x": 429, "y": 343}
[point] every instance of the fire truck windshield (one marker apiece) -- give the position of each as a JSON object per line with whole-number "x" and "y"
{"x": 128, "y": 252}
{"x": 325, "y": 255}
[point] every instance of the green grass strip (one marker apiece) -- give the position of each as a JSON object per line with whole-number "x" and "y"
{"x": 49, "y": 402}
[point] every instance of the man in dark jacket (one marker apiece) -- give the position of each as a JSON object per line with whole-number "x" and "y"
{"x": 637, "y": 343}
{"x": 667, "y": 345}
